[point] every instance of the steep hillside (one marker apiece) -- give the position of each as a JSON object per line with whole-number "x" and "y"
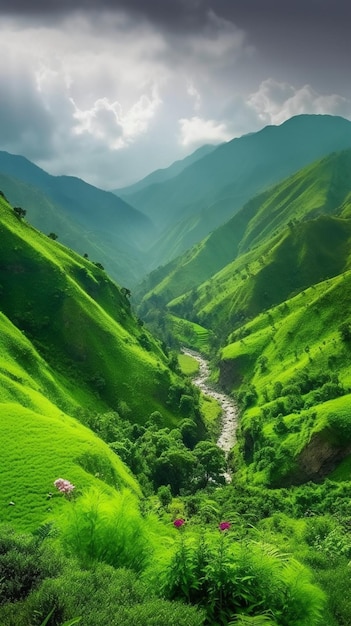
{"x": 70, "y": 350}
{"x": 277, "y": 321}
{"x": 160, "y": 176}
{"x": 84, "y": 217}
{"x": 284, "y": 265}
{"x": 290, "y": 369}
{"x": 323, "y": 188}
{"x": 211, "y": 190}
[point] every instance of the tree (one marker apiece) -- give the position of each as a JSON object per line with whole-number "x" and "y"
{"x": 53, "y": 236}
{"x": 175, "y": 467}
{"x": 188, "y": 429}
{"x": 19, "y": 211}
{"x": 126, "y": 292}
{"x": 262, "y": 362}
{"x": 345, "y": 332}
{"x": 164, "y": 495}
{"x": 211, "y": 462}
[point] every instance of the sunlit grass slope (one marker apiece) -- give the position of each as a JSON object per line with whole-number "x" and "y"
{"x": 289, "y": 262}
{"x": 322, "y": 188}
{"x": 69, "y": 345}
{"x": 40, "y": 446}
{"x": 39, "y": 441}
{"x": 290, "y": 366}
{"x": 79, "y": 321}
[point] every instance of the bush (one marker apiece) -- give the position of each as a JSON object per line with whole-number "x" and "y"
{"x": 20, "y": 565}
{"x": 103, "y": 596}
{"x": 228, "y": 578}
{"x": 108, "y": 528}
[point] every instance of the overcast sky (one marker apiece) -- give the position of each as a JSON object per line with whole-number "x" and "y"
{"x": 110, "y": 91}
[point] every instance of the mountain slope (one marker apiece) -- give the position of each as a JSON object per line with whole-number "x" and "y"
{"x": 211, "y": 190}
{"x": 320, "y": 189}
{"x": 161, "y": 175}
{"x": 70, "y": 349}
{"x": 290, "y": 368}
{"x": 87, "y": 218}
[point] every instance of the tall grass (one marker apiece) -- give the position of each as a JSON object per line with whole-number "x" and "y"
{"x": 230, "y": 578}
{"x": 107, "y": 528}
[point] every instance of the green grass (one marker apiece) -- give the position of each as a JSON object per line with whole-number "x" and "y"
{"x": 190, "y": 334}
{"x": 69, "y": 344}
{"x": 36, "y": 450}
{"x": 212, "y": 413}
{"x": 188, "y": 364}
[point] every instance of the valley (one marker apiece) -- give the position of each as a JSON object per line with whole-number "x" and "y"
{"x": 229, "y": 419}
{"x": 177, "y": 352}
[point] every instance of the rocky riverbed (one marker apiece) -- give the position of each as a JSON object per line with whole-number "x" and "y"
{"x": 227, "y": 438}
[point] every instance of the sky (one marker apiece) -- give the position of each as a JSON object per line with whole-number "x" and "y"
{"x": 110, "y": 91}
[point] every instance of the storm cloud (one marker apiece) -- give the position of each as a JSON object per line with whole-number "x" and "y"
{"x": 109, "y": 91}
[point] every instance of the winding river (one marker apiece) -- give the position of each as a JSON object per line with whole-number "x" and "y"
{"x": 227, "y": 437}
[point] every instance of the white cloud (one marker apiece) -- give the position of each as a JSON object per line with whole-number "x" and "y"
{"x": 109, "y": 97}
{"x": 106, "y": 121}
{"x": 275, "y": 102}
{"x": 197, "y": 131}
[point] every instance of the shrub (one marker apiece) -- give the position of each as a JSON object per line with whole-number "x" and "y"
{"x": 20, "y": 565}
{"x": 108, "y": 528}
{"x": 228, "y": 578}
{"x": 102, "y": 596}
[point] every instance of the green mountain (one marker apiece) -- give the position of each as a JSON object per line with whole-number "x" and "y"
{"x": 272, "y": 287}
{"x": 72, "y": 352}
{"x": 161, "y": 175}
{"x": 169, "y": 211}
{"x": 84, "y": 217}
{"x": 147, "y": 533}
{"x": 208, "y": 192}
{"x": 320, "y": 189}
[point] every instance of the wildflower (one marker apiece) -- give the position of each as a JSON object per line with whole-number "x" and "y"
{"x": 224, "y": 526}
{"x": 178, "y": 522}
{"x": 64, "y": 485}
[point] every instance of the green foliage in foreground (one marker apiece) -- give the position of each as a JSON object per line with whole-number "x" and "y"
{"x": 109, "y": 528}
{"x": 61, "y": 591}
{"x": 52, "y": 445}
{"x": 227, "y": 577}
{"x": 213, "y": 571}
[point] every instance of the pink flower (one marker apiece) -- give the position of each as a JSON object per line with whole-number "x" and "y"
{"x": 178, "y": 522}
{"x": 64, "y": 485}
{"x": 224, "y": 526}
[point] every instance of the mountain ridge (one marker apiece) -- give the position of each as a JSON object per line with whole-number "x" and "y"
{"x": 211, "y": 190}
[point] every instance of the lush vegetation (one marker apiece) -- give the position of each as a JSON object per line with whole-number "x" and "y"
{"x": 279, "y": 341}
{"x": 114, "y": 506}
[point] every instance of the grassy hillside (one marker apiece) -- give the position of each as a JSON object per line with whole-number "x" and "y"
{"x": 84, "y": 217}
{"x": 290, "y": 369}
{"x": 322, "y": 188}
{"x": 40, "y": 441}
{"x": 277, "y": 316}
{"x": 70, "y": 347}
{"x": 210, "y": 191}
